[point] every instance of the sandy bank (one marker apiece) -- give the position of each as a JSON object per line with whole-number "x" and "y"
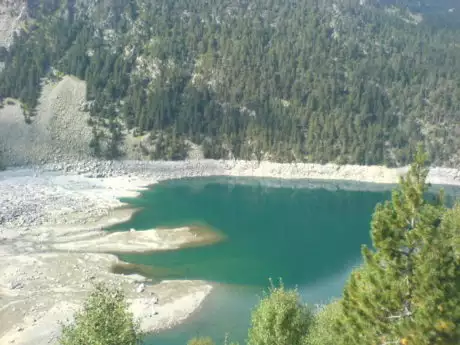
{"x": 53, "y": 248}
{"x": 159, "y": 170}
{"x": 40, "y": 290}
{"x": 136, "y": 241}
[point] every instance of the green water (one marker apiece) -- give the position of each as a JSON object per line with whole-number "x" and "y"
{"x": 311, "y": 237}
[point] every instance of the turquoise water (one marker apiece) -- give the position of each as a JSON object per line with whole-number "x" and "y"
{"x": 309, "y": 237}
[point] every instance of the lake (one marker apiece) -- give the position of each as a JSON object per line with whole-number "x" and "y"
{"x": 309, "y": 234}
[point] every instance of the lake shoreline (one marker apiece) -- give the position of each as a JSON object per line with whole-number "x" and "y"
{"x": 56, "y": 213}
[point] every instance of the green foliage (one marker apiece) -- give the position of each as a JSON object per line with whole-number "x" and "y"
{"x": 321, "y": 330}
{"x": 208, "y": 341}
{"x": 451, "y": 225}
{"x": 408, "y": 290}
{"x": 201, "y": 341}
{"x": 104, "y": 320}
{"x": 2, "y": 165}
{"x": 307, "y": 81}
{"x": 169, "y": 146}
{"x": 279, "y": 319}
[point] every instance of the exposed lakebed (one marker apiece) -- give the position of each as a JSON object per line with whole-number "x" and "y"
{"x": 308, "y": 234}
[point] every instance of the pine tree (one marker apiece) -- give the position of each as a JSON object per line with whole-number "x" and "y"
{"x": 408, "y": 290}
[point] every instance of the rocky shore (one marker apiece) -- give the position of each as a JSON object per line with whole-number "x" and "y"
{"x": 53, "y": 247}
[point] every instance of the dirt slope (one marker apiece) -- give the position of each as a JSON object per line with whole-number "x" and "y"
{"x": 59, "y": 131}
{"x": 12, "y": 14}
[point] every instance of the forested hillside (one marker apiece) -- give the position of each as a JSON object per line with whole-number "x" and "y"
{"x": 308, "y": 80}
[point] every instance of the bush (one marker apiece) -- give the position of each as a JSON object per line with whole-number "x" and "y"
{"x": 104, "y": 320}
{"x": 201, "y": 341}
{"x": 280, "y": 319}
{"x": 321, "y": 330}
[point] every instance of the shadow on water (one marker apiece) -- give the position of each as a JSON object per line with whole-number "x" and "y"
{"x": 156, "y": 274}
{"x": 225, "y": 311}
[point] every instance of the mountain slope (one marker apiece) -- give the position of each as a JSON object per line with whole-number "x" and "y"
{"x": 343, "y": 81}
{"x": 58, "y": 132}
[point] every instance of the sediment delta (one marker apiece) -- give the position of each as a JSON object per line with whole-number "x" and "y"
{"x": 53, "y": 246}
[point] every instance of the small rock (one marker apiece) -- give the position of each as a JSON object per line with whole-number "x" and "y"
{"x": 16, "y": 285}
{"x": 20, "y": 329}
{"x": 140, "y": 288}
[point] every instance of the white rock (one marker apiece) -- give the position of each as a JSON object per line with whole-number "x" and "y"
{"x": 16, "y": 285}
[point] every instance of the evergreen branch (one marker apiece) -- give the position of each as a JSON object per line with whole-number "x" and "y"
{"x": 405, "y": 314}
{"x": 391, "y": 342}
